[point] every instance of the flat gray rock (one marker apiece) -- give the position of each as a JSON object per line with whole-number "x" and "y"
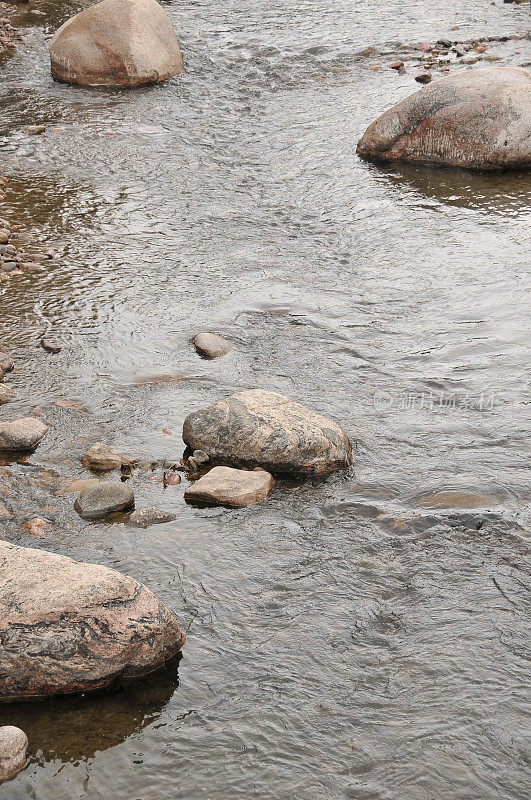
{"x": 13, "y": 746}
{"x": 476, "y": 118}
{"x": 226, "y": 486}
{"x": 104, "y": 498}
{"x": 211, "y": 345}
{"x": 265, "y": 429}
{"x": 22, "y": 434}
{"x": 68, "y": 626}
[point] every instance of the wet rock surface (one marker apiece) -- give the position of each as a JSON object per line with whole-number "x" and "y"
{"x": 265, "y": 429}
{"x": 211, "y": 345}
{"x": 13, "y": 747}
{"x": 231, "y": 487}
{"x": 479, "y": 119}
{"x": 116, "y": 43}
{"x": 7, "y": 394}
{"x": 104, "y": 498}
{"x": 101, "y": 458}
{"x": 145, "y": 517}
{"x": 68, "y": 626}
{"x": 21, "y": 434}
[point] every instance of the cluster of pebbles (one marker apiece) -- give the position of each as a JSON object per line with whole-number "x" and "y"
{"x": 8, "y": 34}
{"x": 17, "y": 256}
{"x": 440, "y": 55}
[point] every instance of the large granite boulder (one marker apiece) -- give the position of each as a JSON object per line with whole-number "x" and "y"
{"x": 476, "y": 118}
{"x": 116, "y": 43}
{"x": 13, "y": 746}
{"x": 68, "y": 627}
{"x": 265, "y": 429}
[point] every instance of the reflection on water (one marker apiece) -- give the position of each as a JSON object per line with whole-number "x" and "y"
{"x": 361, "y": 637}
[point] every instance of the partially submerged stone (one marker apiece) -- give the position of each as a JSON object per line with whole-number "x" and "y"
{"x": 13, "y": 747}
{"x": 104, "y": 498}
{"x": 68, "y": 627}
{"x": 78, "y": 486}
{"x": 6, "y": 363}
{"x": 22, "y": 434}
{"x": 116, "y": 43}
{"x": 476, "y": 118}
{"x": 265, "y": 429}
{"x": 101, "y": 458}
{"x": 226, "y": 486}
{"x": 6, "y": 394}
{"x": 211, "y": 345}
{"x": 145, "y": 517}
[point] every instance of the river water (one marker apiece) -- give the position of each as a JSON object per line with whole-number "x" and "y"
{"x": 359, "y": 637}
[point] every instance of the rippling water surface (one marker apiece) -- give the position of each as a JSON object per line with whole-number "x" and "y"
{"x": 362, "y": 637}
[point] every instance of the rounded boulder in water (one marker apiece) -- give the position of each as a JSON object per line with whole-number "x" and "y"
{"x": 116, "y": 43}
{"x": 265, "y": 429}
{"x": 476, "y": 118}
{"x": 13, "y": 746}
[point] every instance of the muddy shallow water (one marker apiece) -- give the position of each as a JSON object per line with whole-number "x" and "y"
{"x": 359, "y": 637}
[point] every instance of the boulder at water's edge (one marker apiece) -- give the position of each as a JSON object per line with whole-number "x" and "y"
{"x": 476, "y": 118}
{"x": 68, "y": 626}
{"x": 116, "y": 43}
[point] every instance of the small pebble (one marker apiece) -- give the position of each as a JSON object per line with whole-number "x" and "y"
{"x": 50, "y": 346}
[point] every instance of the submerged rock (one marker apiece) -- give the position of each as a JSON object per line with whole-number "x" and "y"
{"x": 6, "y": 394}
{"x": 266, "y": 429}
{"x": 22, "y": 434}
{"x": 226, "y": 486}
{"x": 104, "y": 498}
{"x": 211, "y": 345}
{"x": 6, "y": 364}
{"x": 68, "y": 627}
{"x": 100, "y": 458}
{"x": 480, "y": 119}
{"x": 13, "y": 746}
{"x": 50, "y": 346}
{"x": 144, "y": 517}
{"x": 116, "y": 43}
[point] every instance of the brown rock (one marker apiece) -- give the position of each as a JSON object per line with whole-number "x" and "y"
{"x": 68, "y": 627}
{"x": 6, "y": 394}
{"x": 37, "y": 527}
{"x": 479, "y": 119}
{"x": 210, "y": 345}
{"x": 396, "y": 65}
{"x": 144, "y": 517}
{"x": 266, "y": 429}
{"x": 22, "y": 434}
{"x": 5, "y": 513}
{"x": 100, "y": 458}
{"x": 424, "y": 47}
{"x": 4, "y": 236}
{"x": 78, "y": 486}
{"x": 225, "y": 486}
{"x": 116, "y": 43}
{"x": 6, "y": 363}
{"x": 13, "y": 746}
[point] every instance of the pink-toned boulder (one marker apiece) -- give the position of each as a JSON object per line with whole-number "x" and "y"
{"x": 116, "y": 43}
{"x": 68, "y": 627}
{"x": 476, "y": 118}
{"x": 225, "y": 486}
{"x": 13, "y": 746}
